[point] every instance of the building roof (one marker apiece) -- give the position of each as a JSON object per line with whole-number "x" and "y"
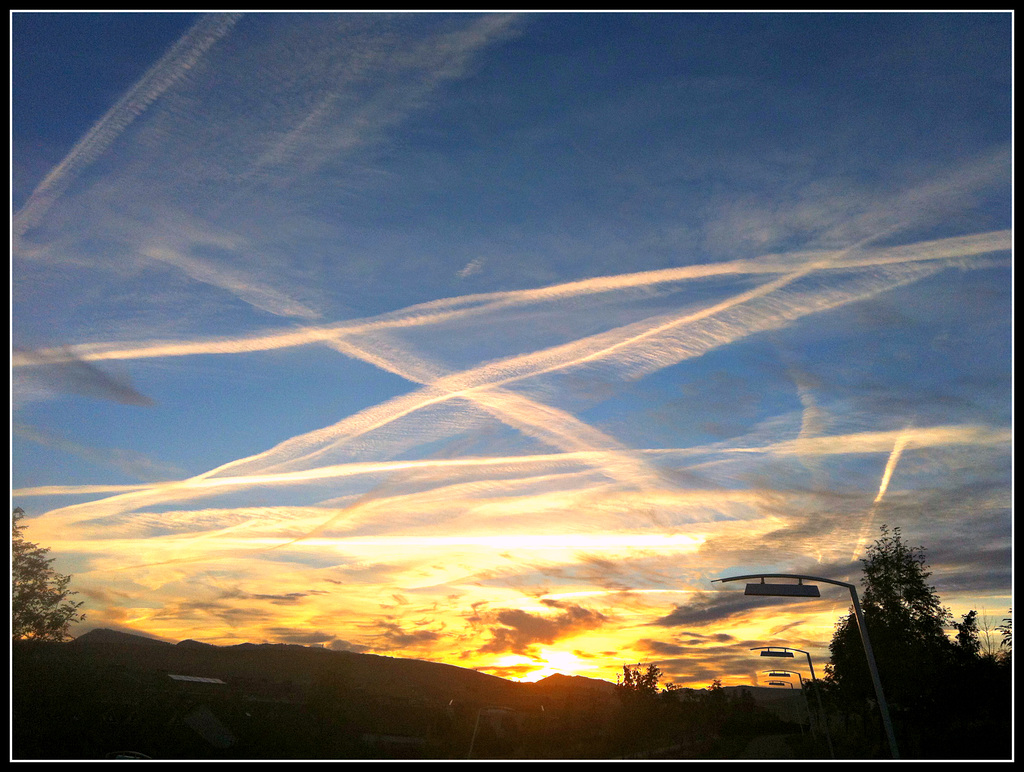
{"x": 196, "y": 679}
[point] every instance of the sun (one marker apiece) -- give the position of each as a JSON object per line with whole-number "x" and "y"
{"x": 551, "y": 661}
{"x": 544, "y": 663}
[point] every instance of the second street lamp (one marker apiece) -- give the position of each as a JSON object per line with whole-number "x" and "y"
{"x": 801, "y": 590}
{"x": 785, "y": 651}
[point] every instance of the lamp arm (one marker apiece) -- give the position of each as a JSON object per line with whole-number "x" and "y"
{"x": 784, "y": 576}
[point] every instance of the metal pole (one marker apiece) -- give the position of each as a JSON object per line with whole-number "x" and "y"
{"x": 475, "y": 728}
{"x": 821, "y": 709}
{"x": 807, "y": 706}
{"x": 800, "y": 724}
{"x": 883, "y": 706}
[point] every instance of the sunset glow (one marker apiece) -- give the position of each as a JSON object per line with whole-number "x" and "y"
{"x": 491, "y": 339}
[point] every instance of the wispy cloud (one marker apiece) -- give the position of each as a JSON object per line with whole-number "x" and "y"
{"x": 393, "y": 81}
{"x": 127, "y": 461}
{"x": 265, "y": 298}
{"x": 60, "y": 371}
{"x": 516, "y": 631}
{"x": 451, "y": 309}
{"x": 169, "y": 70}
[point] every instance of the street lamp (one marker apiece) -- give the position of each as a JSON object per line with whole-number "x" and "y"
{"x": 785, "y": 674}
{"x": 768, "y": 652}
{"x": 785, "y": 651}
{"x": 801, "y": 590}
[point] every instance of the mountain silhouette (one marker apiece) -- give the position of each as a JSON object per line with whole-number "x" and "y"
{"x": 121, "y": 691}
{"x": 116, "y": 692}
{"x": 102, "y": 636}
{"x": 293, "y": 663}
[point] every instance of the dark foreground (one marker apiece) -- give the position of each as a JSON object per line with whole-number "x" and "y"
{"x": 108, "y": 692}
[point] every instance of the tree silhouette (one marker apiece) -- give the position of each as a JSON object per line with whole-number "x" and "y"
{"x": 938, "y": 690}
{"x": 639, "y": 682}
{"x": 637, "y": 690}
{"x": 968, "y": 637}
{"x": 40, "y": 605}
{"x": 905, "y": 620}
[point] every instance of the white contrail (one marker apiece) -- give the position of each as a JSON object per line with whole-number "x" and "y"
{"x": 488, "y": 376}
{"x": 840, "y": 444}
{"x": 304, "y": 446}
{"x": 890, "y": 467}
{"x": 351, "y": 469}
{"x": 627, "y": 342}
{"x": 641, "y": 347}
{"x": 75, "y": 490}
{"x": 542, "y": 421}
{"x": 171, "y": 67}
{"x": 545, "y": 422}
{"x": 243, "y": 287}
{"x": 812, "y": 419}
{"x": 894, "y": 457}
{"x": 451, "y": 309}
{"x": 410, "y": 73}
{"x": 879, "y": 441}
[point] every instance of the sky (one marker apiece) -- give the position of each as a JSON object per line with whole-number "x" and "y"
{"x": 492, "y": 338}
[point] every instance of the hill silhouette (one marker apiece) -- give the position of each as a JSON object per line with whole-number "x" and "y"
{"x": 296, "y": 665}
{"x": 559, "y": 683}
{"x": 105, "y": 636}
{"x": 110, "y": 691}
{"x": 196, "y": 700}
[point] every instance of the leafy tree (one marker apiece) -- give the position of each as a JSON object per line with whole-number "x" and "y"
{"x": 968, "y": 637}
{"x": 637, "y": 689}
{"x": 897, "y": 591}
{"x": 40, "y": 599}
{"x": 635, "y": 681}
{"x": 905, "y": 620}
{"x": 938, "y": 690}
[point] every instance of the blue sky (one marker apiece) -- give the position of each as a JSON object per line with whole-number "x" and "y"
{"x": 493, "y": 338}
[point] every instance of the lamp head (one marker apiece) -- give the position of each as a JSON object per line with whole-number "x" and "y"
{"x": 783, "y": 590}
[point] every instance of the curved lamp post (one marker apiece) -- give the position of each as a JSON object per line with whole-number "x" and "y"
{"x": 785, "y": 674}
{"x": 801, "y": 590}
